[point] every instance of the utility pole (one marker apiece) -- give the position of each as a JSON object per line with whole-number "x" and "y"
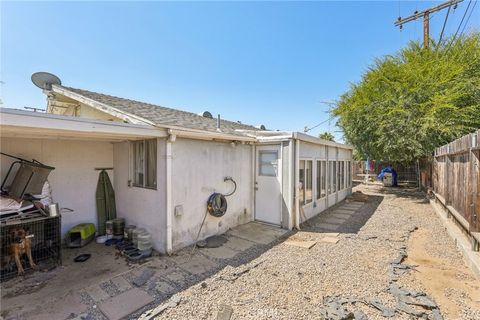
{"x": 426, "y": 18}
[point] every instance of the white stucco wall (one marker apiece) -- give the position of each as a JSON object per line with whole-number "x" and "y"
{"x": 74, "y": 179}
{"x": 198, "y": 170}
{"x": 144, "y": 208}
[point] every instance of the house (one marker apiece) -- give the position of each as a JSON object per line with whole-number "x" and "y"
{"x": 167, "y": 162}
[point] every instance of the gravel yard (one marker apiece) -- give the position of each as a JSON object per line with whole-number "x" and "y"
{"x": 394, "y": 247}
{"x": 388, "y": 257}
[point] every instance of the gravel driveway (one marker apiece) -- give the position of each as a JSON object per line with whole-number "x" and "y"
{"x": 391, "y": 254}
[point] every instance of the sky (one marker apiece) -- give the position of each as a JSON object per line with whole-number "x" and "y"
{"x": 271, "y": 63}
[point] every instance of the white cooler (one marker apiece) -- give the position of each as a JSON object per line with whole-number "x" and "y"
{"x": 387, "y": 179}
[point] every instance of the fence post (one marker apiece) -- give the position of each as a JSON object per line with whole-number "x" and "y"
{"x": 474, "y": 192}
{"x": 447, "y": 178}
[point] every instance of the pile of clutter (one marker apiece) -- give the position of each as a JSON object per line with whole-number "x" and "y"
{"x": 133, "y": 243}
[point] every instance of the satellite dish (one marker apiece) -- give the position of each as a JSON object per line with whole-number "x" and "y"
{"x": 261, "y": 127}
{"x": 44, "y": 80}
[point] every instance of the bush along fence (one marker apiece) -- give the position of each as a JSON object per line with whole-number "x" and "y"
{"x": 456, "y": 183}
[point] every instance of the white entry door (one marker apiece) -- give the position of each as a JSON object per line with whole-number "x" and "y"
{"x": 268, "y": 181}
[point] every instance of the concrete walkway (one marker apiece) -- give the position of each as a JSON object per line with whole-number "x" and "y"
{"x": 335, "y": 218}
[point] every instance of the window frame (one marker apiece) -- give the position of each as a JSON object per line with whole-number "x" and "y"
{"x": 260, "y": 163}
{"x": 301, "y": 176}
{"x": 349, "y": 173}
{"x": 309, "y": 200}
{"x": 320, "y": 178}
{"x": 341, "y": 175}
{"x": 303, "y": 191}
{"x": 145, "y": 167}
{"x": 332, "y": 174}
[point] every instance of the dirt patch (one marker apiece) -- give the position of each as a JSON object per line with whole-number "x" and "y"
{"x": 441, "y": 277}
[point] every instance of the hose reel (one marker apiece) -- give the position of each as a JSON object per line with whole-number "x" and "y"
{"x": 216, "y": 206}
{"x": 217, "y": 202}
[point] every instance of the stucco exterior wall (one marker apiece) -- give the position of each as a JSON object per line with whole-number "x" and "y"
{"x": 144, "y": 208}
{"x": 198, "y": 170}
{"x": 74, "y": 179}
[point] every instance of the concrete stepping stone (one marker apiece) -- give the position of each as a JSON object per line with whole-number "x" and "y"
{"x": 335, "y": 220}
{"x": 178, "y": 277}
{"x": 121, "y": 283}
{"x": 301, "y": 243}
{"x": 353, "y": 204}
{"x": 97, "y": 293}
{"x": 222, "y": 252}
{"x": 341, "y": 215}
{"x": 330, "y": 234}
{"x": 327, "y": 226}
{"x": 122, "y": 305}
{"x": 344, "y": 211}
{"x": 163, "y": 288}
{"x": 198, "y": 264}
{"x": 239, "y": 244}
{"x": 143, "y": 277}
{"x": 257, "y": 232}
{"x": 330, "y": 240}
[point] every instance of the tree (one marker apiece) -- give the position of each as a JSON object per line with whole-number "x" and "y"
{"x": 409, "y": 103}
{"x": 326, "y": 136}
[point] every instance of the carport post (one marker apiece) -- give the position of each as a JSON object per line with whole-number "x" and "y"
{"x": 171, "y": 138}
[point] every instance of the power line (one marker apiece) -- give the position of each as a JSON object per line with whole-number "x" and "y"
{"x": 468, "y": 18}
{"x": 306, "y": 129}
{"x": 459, "y": 26}
{"x": 444, "y": 24}
{"x": 461, "y": 21}
{"x": 330, "y": 104}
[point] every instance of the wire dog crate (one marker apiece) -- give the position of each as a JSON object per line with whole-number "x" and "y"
{"x": 43, "y": 234}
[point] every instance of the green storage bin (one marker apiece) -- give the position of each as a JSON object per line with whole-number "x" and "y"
{"x": 80, "y": 235}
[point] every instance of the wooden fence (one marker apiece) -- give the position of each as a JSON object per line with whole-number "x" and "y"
{"x": 406, "y": 173}
{"x": 456, "y": 181}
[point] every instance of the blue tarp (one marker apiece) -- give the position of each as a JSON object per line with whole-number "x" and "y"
{"x": 389, "y": 170}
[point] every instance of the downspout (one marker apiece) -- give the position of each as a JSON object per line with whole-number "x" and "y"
{"x": 297, "y": 184}
{"x": 253, "y": 176}
{"x": 171, "y": 138}
{"x": 327, "y": 177}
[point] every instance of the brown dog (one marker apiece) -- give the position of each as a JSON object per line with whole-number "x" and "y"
{"x": 21, "y": 245}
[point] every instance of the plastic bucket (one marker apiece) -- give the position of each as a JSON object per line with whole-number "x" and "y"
{"x": 128, "y": 232}
{"x": 109, "y": 227}
{"x": 144, "y": 241}
{"x": 135, "y": 234}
